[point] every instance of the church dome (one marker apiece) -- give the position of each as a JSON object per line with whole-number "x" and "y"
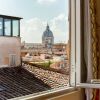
{"x": 47, "y": 32}
{"x": 47, "y": 37}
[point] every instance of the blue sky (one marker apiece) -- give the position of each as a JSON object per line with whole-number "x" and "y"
{"x": 36, "y": 14}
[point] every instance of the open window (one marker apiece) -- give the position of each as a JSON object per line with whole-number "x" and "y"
{"x": 75, "y": 54}
{"x": 77, "y": 70}
{"x": 45, "y": 65}
{"x": 49, "y": 54}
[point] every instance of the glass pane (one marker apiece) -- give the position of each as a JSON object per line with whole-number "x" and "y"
{"x": 1, "y": 26}
{"x": 15, "y": 27}
{"x": 8, "y": 27}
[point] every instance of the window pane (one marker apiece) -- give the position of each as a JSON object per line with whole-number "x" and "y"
{"x": 7, "y": 27}
{"x": 1, "y": 26}
{"x": 15, "y": 27}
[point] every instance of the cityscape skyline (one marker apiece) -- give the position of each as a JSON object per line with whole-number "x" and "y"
{"x": 53, "y": 12}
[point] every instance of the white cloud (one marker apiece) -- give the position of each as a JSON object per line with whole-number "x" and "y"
{"x": 32, "y": 30}
{"x": 46, "y": 1}
{"x": 60, "y": 28}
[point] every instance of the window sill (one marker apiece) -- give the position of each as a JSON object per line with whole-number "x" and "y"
{"x": 52, "y": 92}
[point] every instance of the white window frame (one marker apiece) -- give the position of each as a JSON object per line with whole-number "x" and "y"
{"x": 72, "y": 43}
{"x": 75, "y": 25}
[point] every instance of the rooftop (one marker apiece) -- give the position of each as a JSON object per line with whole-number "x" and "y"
{"x": 15, "y": 82}
{"x": 10, "y": 17}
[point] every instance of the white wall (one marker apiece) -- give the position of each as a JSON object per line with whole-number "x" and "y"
{"x": 8, "y": 46}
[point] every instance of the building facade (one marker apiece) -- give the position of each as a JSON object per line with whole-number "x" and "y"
{"x": 10, "y": 41}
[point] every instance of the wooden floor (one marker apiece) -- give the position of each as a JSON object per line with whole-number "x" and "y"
{"x": 15, "y": 82}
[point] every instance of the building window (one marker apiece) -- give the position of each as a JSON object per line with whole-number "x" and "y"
{"x": 1, "y": 26}
{"x": 7, "y": 27}
{"x": 15, "y": 27}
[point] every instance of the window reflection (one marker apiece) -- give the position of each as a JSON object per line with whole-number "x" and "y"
{"x": 15, "y": 28}
{"x": 7, "y": 27}
{"x": 1, "y": 26}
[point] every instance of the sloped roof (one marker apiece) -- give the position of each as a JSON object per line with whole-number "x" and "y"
{"x": 16, "y": 82}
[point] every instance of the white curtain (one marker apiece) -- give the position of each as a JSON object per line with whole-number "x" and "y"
{"x": 88, "y": 46}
